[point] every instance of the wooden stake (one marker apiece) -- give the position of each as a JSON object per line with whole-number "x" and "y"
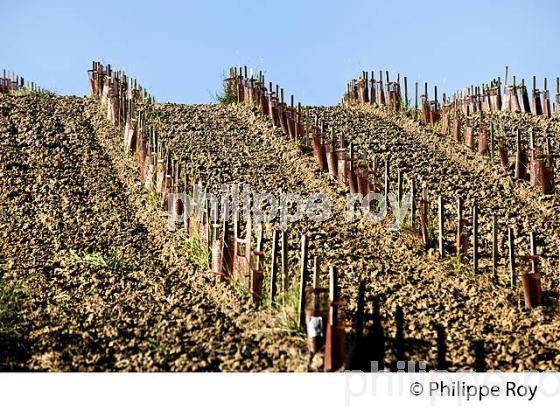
{"x": 475, "y": 238}
{"x": 533, "y": 243}
{"x": 387, "y": 183}
{"x": 459, "y": 242}
{"x": 413, "y": 204}
{"x": 303, "y": 281}
{"x": 513, "y": 278}
{"x": 316, "y": 271}
{"x": 405, "y": 94}
{"x": 399, "y": 186}
{"x": 415, "y": 97}
{"x": 333, "y": 294}
{"x": 494, "y": 245}
{"x": 273, "y": 266}
{"x": 284, "y": 262}
{"x": 491, "y": 140}
{"x": 440, "y": 226}
{"x": 257, "y": 296}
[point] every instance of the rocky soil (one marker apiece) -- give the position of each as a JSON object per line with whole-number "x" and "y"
{"x": 69, "y": 195}
{"x": 452, "y": 170}
{"x": 393, "y": 265}
{"x": 103, "y": 285}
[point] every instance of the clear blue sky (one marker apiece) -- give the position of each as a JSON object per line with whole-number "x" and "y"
{"x": 180, "y": 49}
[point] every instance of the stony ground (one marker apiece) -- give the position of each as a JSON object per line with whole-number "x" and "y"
{"x": 104, "y": 286}
{"x": 393, "y": 265}
{"x": 454, "y": 171}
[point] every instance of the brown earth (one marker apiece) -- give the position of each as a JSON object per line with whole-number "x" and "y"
{"x": 102, "y": 284}
{"x": 67, "y": 186}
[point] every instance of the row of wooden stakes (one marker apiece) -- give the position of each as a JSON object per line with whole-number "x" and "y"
{"x": 453, "y": 118}
{"x": 12, "y": 83}
{"x": 360, "y": 179}
{"x": 234, "y": 255}
{"x": 512, "y": 98}
{"x": 270, "y": 102}
{"x": 532, "y": 163}
{"x": 317, "y": 302}
{"x": 367, "y": 90}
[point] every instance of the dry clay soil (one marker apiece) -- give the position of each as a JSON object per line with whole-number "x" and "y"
{"x": 67, "y": 192}
{"x": 67, "y": 189}
{"x": 393, "y": 265}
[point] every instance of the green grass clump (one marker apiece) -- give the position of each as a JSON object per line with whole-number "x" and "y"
{"x": 112, "y": 261}
{"x": 10, "y": 336}
{"x": 289, "y": 309}
{"x": 154, "y": 198}
{"x": 23, "y": 91}
{"x": 229, "y": 93}
{"x": 198, "y": 254}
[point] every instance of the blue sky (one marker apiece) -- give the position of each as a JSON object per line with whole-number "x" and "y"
{"x": 179, "y": 50}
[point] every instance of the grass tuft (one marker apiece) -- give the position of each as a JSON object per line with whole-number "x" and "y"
{"x": 289, "y": 310}
{"x": 229, "y": 93}
{"x": 10, "y": 336}
{"x": 154, "y": 198}
{"x": 24, "y": 91}
{"x": 112, "y": 261}
{"x": 198, "y": 254}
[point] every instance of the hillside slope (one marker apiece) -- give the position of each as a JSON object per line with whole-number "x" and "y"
{"x": 103, "y": 285}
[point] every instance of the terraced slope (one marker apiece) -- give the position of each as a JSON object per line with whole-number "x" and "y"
{"x": 103, "y": 285}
